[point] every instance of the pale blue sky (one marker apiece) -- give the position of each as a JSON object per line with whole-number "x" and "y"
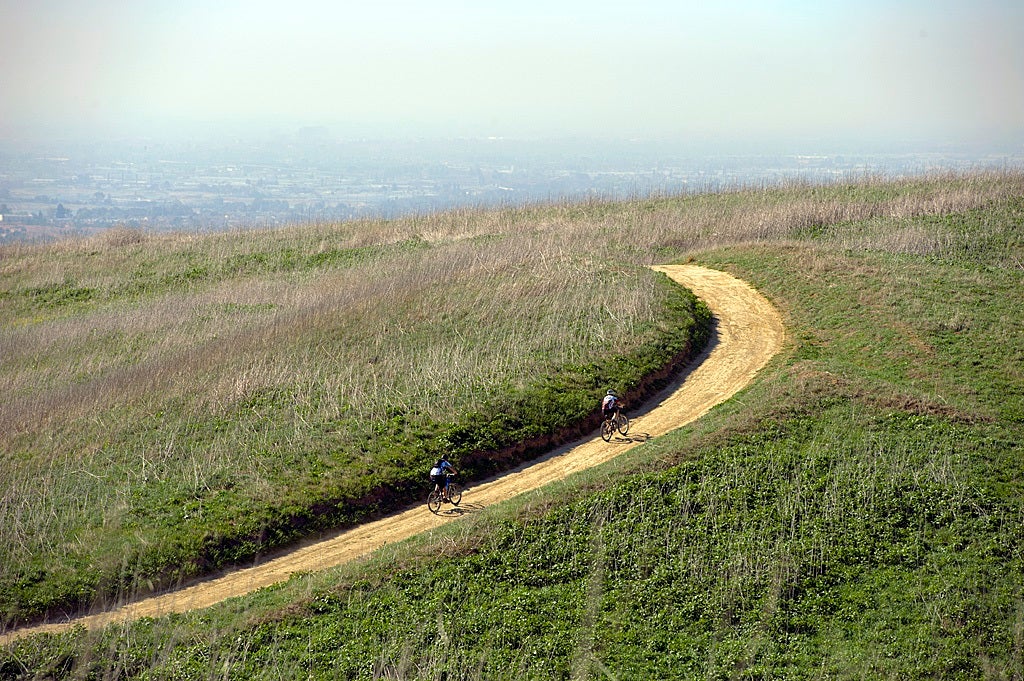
{"x": 942, "y": 71}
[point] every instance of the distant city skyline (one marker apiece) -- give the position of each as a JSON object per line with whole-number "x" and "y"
{"x": 932, "y": 73}
{"x": 65, "y": 189}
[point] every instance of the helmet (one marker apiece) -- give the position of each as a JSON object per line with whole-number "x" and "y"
{"x": 612, "y": 393}
{"x": 444, "y": 457}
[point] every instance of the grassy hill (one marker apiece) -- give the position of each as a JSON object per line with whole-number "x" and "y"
{"x": 856, "y": 513}
{"x": 179, "y": 404}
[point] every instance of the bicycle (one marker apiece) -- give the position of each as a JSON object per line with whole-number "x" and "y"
{"x": 618, "y": 422}
{"x": 438, "y": 497}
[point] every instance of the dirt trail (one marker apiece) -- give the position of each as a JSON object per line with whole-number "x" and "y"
{"x": 748, "y": 332}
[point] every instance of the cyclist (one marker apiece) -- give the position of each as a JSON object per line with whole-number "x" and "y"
{"x": 439, "y": 474}
{"x": 610, "y": 405}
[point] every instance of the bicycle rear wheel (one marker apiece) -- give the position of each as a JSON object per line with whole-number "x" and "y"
{"x": 607, "y": 430}
{"x": 434, "y": 501}
{"x": 623, "y": 424}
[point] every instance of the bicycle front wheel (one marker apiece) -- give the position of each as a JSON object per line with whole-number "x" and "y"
{"x": 434, "y": 501}
{"x": 454, "y": 493}
{"x": 623, "y": 424}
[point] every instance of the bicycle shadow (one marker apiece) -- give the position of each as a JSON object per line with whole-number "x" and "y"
{"x": 462, "y": 509}
{"x": 631, "y": 438}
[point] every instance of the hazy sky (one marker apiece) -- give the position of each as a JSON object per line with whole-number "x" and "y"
{"x": 940, "y": 71}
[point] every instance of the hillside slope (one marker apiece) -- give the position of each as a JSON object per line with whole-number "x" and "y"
{"x": 748, "y": 332}
{"x": 857, "y": 512}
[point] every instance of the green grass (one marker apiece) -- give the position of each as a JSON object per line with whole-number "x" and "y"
{"x": 856, "y": 513}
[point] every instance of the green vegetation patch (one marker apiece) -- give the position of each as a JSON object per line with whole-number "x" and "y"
{"x": 58, "y": 295}
{"x": 847, "y": 541}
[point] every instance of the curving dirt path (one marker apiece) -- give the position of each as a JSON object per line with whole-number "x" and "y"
{"x": 748, "y": 332}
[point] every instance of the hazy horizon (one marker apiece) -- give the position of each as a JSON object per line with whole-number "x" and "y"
{"x": 936, "y": 74}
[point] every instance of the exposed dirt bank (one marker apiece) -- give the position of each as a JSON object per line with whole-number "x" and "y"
{"x": 748, "y": 332}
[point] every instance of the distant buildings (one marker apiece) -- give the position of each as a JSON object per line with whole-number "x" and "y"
{"x": 211, "y": 187}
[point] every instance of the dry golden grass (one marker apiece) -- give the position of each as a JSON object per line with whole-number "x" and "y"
{"x": 63, "y": 366}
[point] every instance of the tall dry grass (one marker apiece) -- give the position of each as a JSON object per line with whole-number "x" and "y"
{"x": 66, "y": 353}
{"x": 223, "y": 383}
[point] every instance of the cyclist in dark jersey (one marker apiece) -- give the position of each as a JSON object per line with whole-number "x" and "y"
{"x": 439, "y": 475}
